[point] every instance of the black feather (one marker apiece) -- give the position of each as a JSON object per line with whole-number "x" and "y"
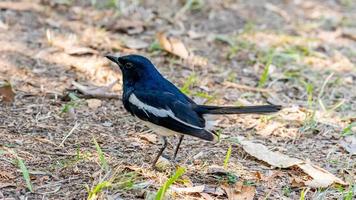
{"x": 203, "y": 109}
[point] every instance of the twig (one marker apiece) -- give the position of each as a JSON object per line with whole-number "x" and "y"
{"x": 98, "y": 92}
{"x": 70, "y": 133}
{"x": 322, "y": 92}
{"x": 245, "y": 87}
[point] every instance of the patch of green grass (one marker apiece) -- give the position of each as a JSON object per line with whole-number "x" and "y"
{"x": 191, "y": 80}
{"x": 249, "y": 183}
{"x": 309, "y": 89}
{"x": 309, "y": 124}
{"x": 227, "y": 156}
{"x": 162, "y": 191}
{"x": 73, "y": 103}
{"x": 348, "y": 129}
{"x": 193, "y": 5}
{"x": 154, "y": 46}
{"x": 94, "y": 192}
{"x": 103, "y": 163}
{"x": 349, "y": 195}
{"x": 267, "y": 62}
{"x": 287, "y": 191}
{"x": 25, "y": 173}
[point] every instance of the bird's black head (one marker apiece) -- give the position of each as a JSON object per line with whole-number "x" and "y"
{"x": 135, "y": 68}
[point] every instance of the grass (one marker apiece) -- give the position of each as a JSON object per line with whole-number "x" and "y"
{"x": 265, "y": 73}
{"x": 227, "y": 156}
{"x": 103, "y": 163}
{"x": 73, "y": 103}
{"x": 189, "y": 83}
{"x": 350, "y": 194}
{"x": 162, "y": 191}
{"x": 348, "y": 129}
{"x": 93, "y": 193}
{"x": 25, "y": 173}
{"x": 191, "y": 80}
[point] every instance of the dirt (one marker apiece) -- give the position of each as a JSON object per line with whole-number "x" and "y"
{"x": 46, "y": 45}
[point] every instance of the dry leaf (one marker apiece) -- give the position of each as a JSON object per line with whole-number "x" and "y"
{"x": 206, "y": 196}
{"x": 93, "y": 103}
{"x": 150, "y": 137}
{"x": 349, "y": 144}
{"x": 240, "y": 192}
{"x": 320, "y": 177}
{"x": 195, "y": 189}
{"x": 99, "y": 92}
{"x": 7, "y": 95}
{"x": 79, "y": 51}
{"x": 297, "y": 182}
{"x": 126, "y": 26}
{"x": 176, "y": 47}
{"x": 21, "y": 6}
{"x": 268, "y": 129}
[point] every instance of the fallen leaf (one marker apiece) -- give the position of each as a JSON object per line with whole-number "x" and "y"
{"x": 150, "y": 137}
{"x": 349, "y": 144}
{"x": 297, "y": 182}
{"x": 99, "y": 92}
{"x": 7, "y": 95}
{"x": 268, "y": 129}
{"x": 176, "y": 47}
{"x": 261, "y": 152}
{"x": 79, "y": 51}
{"x": 187, "y": 190}
{"x": 240, "y": 192}
{"x": 126, "y": 26}
{"x": 206, "y": 196}
{"x": 93, "y": 103}
{"x": 320, "y": 177}
{"x": 21, "y": 6}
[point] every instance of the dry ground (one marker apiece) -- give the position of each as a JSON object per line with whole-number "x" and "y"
{"x": 309, "y": 46}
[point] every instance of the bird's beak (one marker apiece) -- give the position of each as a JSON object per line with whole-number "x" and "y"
{"x": 115, "y": 59}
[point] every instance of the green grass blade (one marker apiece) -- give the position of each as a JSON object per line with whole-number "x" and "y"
{"x": 103, "y": 163}
{"x": 97, "y": 189}
{"x": 227, "y": 157}
{"x": 161, "y": 192}
{"x": 264, "y": 76}
{"x": 25, "y": 173}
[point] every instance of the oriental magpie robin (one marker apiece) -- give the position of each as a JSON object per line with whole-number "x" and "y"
{"x": 164, "y": 108}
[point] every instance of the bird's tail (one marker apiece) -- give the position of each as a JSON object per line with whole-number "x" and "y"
{"x": 203, "y": 109}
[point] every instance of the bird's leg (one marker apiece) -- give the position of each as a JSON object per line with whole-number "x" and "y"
{"x": 160, "y": 151}
{"x": 177, "y": 148}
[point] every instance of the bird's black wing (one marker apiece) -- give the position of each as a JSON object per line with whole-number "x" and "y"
{"x": 164, "y": 109}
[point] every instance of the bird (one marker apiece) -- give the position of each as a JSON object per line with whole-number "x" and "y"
{"x": 156, "y": 101}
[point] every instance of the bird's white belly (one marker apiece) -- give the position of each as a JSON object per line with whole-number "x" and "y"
{"x": 160, "y": 130}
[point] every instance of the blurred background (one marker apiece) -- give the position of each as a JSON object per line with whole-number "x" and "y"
{"x": 61, "y": 115}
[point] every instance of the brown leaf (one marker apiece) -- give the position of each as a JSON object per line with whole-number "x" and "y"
{"x": 320, "y": 177}
{"x": 240, "y": 191}
{"x": 79, "y": 51}
{"x": 206, "y": 196}
{"x": 126, "y": 26}
{"x": 176, "y": 47}
{"x": 150, "y": 137}
{"x": 93, "y": 103}
{"x": 21, "y": 6}
{"x": 297, "y": 182}
{"x": 7, "y": 95}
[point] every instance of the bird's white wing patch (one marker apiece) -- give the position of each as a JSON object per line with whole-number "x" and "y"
{"x": 158, "y": 112}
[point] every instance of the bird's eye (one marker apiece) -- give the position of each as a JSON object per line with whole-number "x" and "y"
{"x": 128, "y": 65}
